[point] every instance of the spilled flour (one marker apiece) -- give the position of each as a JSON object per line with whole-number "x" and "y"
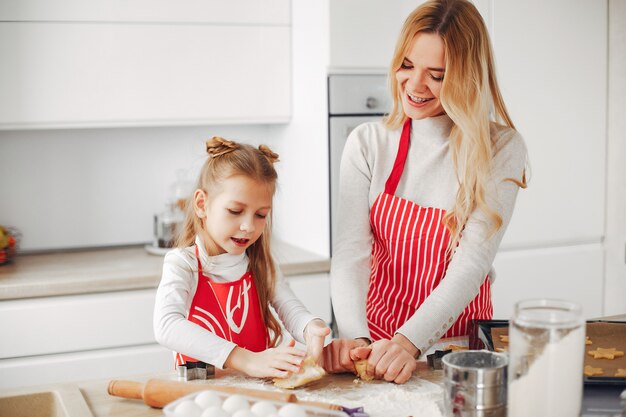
{"x": 417, "y": 398}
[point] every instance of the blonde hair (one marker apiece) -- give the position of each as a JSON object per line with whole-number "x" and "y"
{"x": 227, "y": 159}
{"x": 469, "y": 95}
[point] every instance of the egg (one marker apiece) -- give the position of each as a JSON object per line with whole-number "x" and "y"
{"x": 234, "y": 403}
{"x": 263, "y": 409}
{"x": 215, "y": 411}
{"x": 207, "y": 399}
{"x": 187, "y": 408}
{"x": 243, "y": 413}
{"x": 291, "y": 410}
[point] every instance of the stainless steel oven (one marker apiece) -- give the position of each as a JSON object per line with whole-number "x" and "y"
{"x": 352, "y": 100}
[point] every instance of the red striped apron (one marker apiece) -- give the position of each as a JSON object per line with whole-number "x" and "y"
{"x": 230, "y": 310}
{"x": 409, "y": 258}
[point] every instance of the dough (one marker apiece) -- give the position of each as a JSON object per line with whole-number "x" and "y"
{"x": 309, "y": 372}
{"x": 361, "y": 370}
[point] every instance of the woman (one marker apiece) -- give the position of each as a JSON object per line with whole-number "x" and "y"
{"x": 425, "y": 198}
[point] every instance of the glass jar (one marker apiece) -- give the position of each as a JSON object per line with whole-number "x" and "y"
{"x": 546, "y": 354}
{"x": 167, "y": 225}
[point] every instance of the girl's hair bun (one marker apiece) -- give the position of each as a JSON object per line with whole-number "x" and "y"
{"x": 268, "y": 153}
{"x": 217, "y": 146}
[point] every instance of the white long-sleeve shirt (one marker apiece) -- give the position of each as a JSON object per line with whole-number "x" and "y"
{"x": 176, "y": 291}
{"x": 429, "y": 179}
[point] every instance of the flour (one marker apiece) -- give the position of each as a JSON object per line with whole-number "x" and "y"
{"x": 417, "y": 397}
{"x": 552, "y": 384}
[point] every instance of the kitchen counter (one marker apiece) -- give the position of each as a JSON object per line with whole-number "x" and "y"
{"x": 421, "y": 396}
{"x": 118, "y": 269}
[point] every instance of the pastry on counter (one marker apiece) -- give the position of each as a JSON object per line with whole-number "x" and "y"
{"x": 309, "y": 372}
{"x": 361, "y": 370}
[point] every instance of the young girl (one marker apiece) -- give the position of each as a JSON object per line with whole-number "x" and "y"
{"x": 213, "y": 302}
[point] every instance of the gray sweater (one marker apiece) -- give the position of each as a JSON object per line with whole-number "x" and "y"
{"x": 429, "y": 179}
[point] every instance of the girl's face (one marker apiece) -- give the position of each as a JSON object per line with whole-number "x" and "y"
{"x": 421, "y": 75}
{"x": 234, "y": 218}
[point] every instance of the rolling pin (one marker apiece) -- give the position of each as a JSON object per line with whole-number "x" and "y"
{"x": 157, "y": 392}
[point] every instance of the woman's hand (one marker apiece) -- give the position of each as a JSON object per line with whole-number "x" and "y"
{"x": 278, "y": 362}
{"x": 337, "y": 355}
{"x": 391, "y": 360}
{"x": 314, "y": 335}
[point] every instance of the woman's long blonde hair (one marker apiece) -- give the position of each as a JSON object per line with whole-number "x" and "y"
{"x": 226, "y": 159}
{"x": 469, "y": 95}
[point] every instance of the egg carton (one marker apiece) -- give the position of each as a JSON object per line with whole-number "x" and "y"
{"x": 218, "y": 404}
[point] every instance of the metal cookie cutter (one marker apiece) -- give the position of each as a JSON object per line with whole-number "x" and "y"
{"x": 434, "y": 359}
{"x": 195, "y": 370}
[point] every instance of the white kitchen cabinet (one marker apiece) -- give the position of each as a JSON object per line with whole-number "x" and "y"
{"x": 270, "y": 12}
{"x": 111, "y": 363}
{"x": 553, "y": 77}
{"x": 554, "y": 81}
{"x": 363, "y": 34}
{"x": 48, "y": 325}
{"x": 59, "y": 339}
{"x": 81, "y": 67}
{"x": 567, "y": 273}
{"x": 615, "y": 241}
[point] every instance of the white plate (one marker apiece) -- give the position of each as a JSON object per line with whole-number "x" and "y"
{"x": 155, "y": 250}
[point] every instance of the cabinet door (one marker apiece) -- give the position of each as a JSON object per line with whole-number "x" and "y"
{"x": 76, "y": 323}
{"x": 568, "y": 273}
{"x": 275, "y": 12}
{"x": 83, "y": 366}
{"x": 108, "y": 74}
{"x": 363, "y": 34}
{"x": 551, "y": 59}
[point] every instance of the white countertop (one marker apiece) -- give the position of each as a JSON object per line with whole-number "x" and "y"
{"x": 118, "y": 269}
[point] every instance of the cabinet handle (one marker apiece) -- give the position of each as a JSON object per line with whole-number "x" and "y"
{"x": 371, "y": 103}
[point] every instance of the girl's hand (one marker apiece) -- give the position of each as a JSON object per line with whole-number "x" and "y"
{"x": 337, "y": 355}
{"x": 390, "y": 360}
{"x": 314, "y": 335}
{"x": 278, "y": 362}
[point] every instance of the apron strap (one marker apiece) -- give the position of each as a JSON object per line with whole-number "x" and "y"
{"x": 398, "y": 165}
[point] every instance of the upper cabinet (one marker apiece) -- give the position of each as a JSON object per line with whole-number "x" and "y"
{"x": 242, "y": 12}
{"x": 554, "y": 82}
{"x": 87, "y": 64}
{"x": 363, "y": 34}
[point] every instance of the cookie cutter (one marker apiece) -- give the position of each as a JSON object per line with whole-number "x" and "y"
{"x": 435, "y": 359}
{"x": 190, "y": 371}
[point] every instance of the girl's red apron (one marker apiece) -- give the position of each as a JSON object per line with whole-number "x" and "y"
{"x": 409, "y": 259}
{"x": 229, "y": 310}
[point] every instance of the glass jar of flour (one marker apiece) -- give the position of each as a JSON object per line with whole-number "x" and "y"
{"x": 546, "y": 354}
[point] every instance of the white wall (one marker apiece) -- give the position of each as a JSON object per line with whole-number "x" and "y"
{"x": 97, "y": 187}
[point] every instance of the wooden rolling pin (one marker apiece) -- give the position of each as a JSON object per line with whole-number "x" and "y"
{"x": 158, "y": 392}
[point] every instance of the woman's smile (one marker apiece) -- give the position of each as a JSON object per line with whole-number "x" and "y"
{"x": 419, "y": 101}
